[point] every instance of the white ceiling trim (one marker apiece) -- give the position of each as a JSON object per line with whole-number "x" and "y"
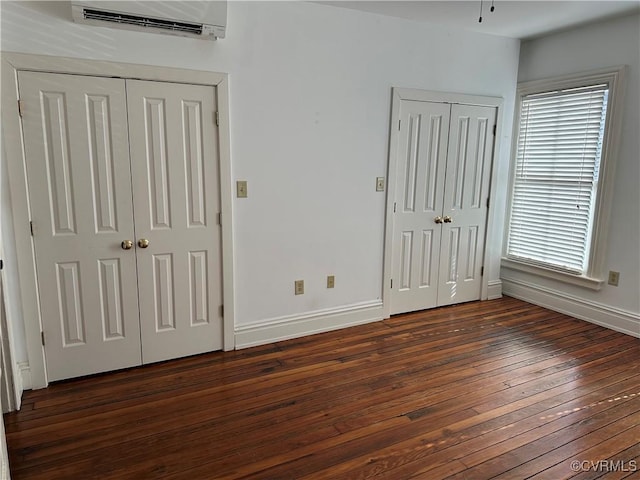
{"x": 515, "y": 19}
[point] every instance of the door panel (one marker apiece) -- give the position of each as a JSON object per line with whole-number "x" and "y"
{"x": 465, "y": 202}
{"x": 102, "y": 165}
{"x": 420, "y": 183}
{"x": 174, "y": 165}
{"x": 70, "y": 298}
{"x": 111, "y": 293}
{"x": 80, "y": 197}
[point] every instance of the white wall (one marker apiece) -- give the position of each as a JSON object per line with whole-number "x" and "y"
{"x": 310, "y": 105}
{"x": 606, "y": 44}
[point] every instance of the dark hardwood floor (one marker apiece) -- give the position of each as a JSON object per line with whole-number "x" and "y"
{"x": 498, "y": 389}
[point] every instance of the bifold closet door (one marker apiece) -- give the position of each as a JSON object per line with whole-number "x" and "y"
{"x": 442, "y": 186}
{"x": 174, "y": 165}
{"x": 124, "y": 196}
{"x": 77, "y": 155}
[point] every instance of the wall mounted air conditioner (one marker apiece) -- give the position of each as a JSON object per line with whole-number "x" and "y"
{"x": 199, "y": 19}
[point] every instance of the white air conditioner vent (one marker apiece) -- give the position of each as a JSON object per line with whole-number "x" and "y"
{"x": 145, "y": 22}
{"x": 199, "y": 19}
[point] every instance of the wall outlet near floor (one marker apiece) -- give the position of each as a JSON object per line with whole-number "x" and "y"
{"x": 299, "y": 287}
{"x": 331, "y": 281}
{"x": 614, "y": 278}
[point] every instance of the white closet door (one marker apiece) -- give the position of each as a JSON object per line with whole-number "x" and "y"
{"x": 419, "y": 195}
{"x": 174, "y": 165}
{"x": 465, "y": 203}
{"x": 80, "y": 197}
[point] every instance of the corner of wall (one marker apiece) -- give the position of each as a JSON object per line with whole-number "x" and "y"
{"x": 494, "y": 290}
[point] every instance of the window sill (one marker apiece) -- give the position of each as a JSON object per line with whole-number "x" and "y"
{"x": 579, "y": 280}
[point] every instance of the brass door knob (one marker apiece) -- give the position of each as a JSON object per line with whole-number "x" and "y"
{"x": 447, "y": 219}
{"x": 438, "y": 219}
{"x": 126, "y": 244}
{"x": 143, "y": 243}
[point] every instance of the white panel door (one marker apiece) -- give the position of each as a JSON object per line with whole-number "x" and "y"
{"x": 174, "y": 165}
{"x": 420, "y": 175}
{"x": 76, "y": 146}
{"x": 466, "y": 193}
{"x": 440, "y": 207}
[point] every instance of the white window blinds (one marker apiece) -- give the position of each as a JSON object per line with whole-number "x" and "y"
{"x": 556, "y": 175}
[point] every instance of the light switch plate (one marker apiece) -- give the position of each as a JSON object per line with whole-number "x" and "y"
{"x": 241, "y": 188}
{"x": 379, "y": 184}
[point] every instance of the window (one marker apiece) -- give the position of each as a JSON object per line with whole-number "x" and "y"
{"x": 561, "y": 163}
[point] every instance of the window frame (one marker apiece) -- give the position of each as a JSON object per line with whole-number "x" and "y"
{"x": 592, "y": 278}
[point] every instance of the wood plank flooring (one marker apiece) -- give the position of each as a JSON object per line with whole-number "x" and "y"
{"x": 485, "y": 390}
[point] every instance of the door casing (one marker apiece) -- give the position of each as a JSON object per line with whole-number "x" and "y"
{"x": 12, "y": 63}
{"x": 397, "y": 96}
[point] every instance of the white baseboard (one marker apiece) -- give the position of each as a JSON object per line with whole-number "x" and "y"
{"x": 603, "y": 315}
{"x": 494, "y": 289}
{"x": 25, "y": 376}
{"x": 293, "y": 326}
{"x": 4, "y": 467}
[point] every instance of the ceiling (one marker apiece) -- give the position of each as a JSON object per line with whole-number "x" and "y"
{"x": 516, "y": 19}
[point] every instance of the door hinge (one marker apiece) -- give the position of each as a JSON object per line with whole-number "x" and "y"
{"x": 20, "y": 107}
{"x": 217, "y": 118}
{"x": 222, "y": 310}
{"x": 399, "y": 122}
{"x": 220, "y": 218}
{"x": 394, "y": 207}
{"x": 392, "y": 283}
{"x": 31, "y": 227}
{"x": 481, "y": 271}
{"x": 42, "y": 338}
{"x": 494, "y": 130}
{"x": 1, "y": 264}
{"x": 487, "y": 202}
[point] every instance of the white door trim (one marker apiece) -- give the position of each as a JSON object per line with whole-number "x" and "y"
{"x": 11, "y": 63}
{"x": 397, "y": 95}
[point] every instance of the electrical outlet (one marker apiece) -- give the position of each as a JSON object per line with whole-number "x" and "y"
{"x": 379, "y": 184}
{"x": 614, "y": 278}
{"x": 241, "y": 189}
{"x": 331, "y": 281}
{"x": 299, "y": 287}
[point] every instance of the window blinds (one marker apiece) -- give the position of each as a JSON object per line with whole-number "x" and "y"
{"x": 556, "y": 175}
